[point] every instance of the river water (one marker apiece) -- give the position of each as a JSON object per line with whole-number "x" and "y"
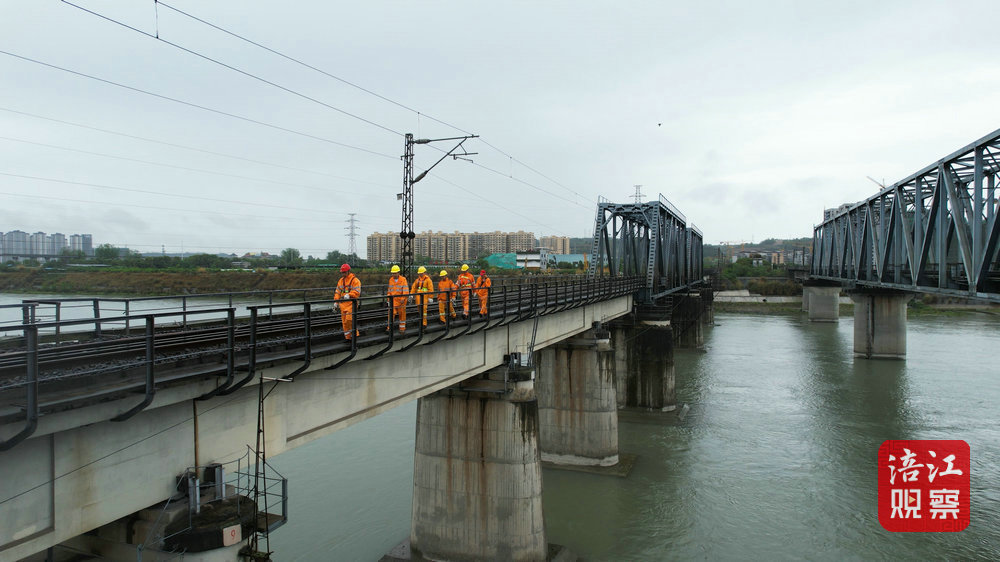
{"x": 775, "y": 460}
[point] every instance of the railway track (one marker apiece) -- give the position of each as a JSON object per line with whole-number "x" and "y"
{"x": 39, "y": 377}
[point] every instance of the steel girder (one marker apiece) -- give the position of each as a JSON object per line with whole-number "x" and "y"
{"x": 935, "y": 231}
{"x": 650, "y": 240}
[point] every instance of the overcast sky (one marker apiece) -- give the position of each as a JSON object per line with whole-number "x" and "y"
{"x": 751, "y": 117}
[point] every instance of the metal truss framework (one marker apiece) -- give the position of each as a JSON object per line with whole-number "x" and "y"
{"x": 935, "y": 231}
{"x": 648, "y": 240}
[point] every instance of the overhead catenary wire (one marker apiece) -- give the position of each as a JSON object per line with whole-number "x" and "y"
{"x": 473, "y": 193}
{"x": 375, "y": 94}
{"x": 162, "y": 193}
{"x": 176, "y": 167}
{"x": 235, "y": 69}
{"x": 184, "y": 147}
{"x": 197, "y": 106}
{"x": 161, "y": 208}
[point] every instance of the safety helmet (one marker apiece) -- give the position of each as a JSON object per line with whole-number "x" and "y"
{"x": 395, "y": 269}
{"x": 345, "y": 268}
{"x": 421, "y": 269}
{"x": 482, "y": 272}
{"x": 443, "y": 273}
{"x": 465, "y": 267}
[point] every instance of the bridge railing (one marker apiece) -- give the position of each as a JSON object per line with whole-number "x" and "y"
{"x": 39, "y": 376}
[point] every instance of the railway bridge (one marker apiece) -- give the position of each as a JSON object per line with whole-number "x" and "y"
{"x": 141, "y": 428}
{"x": 935, "y": 231}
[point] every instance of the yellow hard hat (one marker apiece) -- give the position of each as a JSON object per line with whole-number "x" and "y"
{"x": 443, "y": 273}
{"x": 465, "y": 267}
{"x": 421, "y": 269}
{"x": 395, "y": 269}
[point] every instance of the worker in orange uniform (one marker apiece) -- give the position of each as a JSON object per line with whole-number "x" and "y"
{"x": 483, "y": 285}
{"x": 399, "y": 291}
{"x": 348, "y": 287}
{"x": 446, "y": 292}
{"x": 423, "y": 291}
{"x": 465, "y": 282}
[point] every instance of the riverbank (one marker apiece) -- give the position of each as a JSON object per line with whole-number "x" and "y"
{"x": 915, "y": 309}
{"x": 153, "y": 283}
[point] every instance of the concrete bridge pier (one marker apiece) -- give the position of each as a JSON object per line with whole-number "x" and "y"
{"x": 708, "y": 307}
{"x": 824, "y": 302}
{"x": 477, "y": 475}
{"x": 686, "y": 321}
{"x": 651, "y": 374}
{"x": 880, "y": 323}
{"x": 577, "y": 401}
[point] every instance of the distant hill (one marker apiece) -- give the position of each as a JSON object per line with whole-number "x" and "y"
{"x": 580, "y": 245}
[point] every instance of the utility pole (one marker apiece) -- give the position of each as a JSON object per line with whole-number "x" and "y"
{"x": 352, "y": 248}
{"x": 406, "y": 233}
{"x": 638, "y": 194}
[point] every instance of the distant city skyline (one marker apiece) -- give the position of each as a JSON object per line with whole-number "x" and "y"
{"x": 17, "y": 244}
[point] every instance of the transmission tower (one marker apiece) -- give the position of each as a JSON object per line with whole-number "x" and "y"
{"x": 352, "y": 235}
{"x": 406, "y": 233}
{"x": 638, "y": 193}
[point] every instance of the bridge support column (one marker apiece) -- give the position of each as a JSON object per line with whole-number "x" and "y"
{"x": 686, "y": 321}
{"x": 824, "y": 303}
{"x": 577, "y": 401}
{"x": 880, "y": 324}
{"x": 805, "y": 300}
{"x": 708, "y": 308}
{"x": 477, "y": 475}
{"x": 651, "y": 377}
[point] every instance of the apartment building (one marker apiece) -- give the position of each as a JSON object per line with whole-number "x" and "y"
{"x": 444, "y": 247}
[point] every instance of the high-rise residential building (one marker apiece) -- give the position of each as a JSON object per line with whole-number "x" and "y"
{"x": 37, "y": 244}
{"x": 88, "y": 245}
{"x": 445, "y": 247}
{"x": 15, "y": 243}
{"x": 383, "y": 247}
{"x": 57, "y": 243}
{"x": 555, "y": 244}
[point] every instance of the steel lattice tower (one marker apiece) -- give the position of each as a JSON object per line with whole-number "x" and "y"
{"x": 352, "y": 234}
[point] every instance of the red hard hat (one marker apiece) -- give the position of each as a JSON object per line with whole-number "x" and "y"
{"x": 345, "y": 268}
{"x": 482, "y": 272}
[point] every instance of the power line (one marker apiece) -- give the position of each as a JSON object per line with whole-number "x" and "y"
{"x": 157, "y": 207}
{"x": 174, "y": 166}
{"x": 367, "y": 91}
{"x": 160, "y": 193}
{"x": 184, "y": 147}
{"x": 197, "y": 106}
{"x": 233, "y": 68}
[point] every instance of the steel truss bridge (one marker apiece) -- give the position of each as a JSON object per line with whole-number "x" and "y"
{"x": 935, "y": 231}
{"x": 651, "y": 241}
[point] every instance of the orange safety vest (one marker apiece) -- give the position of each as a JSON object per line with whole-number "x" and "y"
{"x": 423, "y": 284}
{"x": 348, "y": 286}
{"x": 465, "y": 279}
{"x": 398, "y": 287}
{"x": 483, "y": 283}
{"x": 446, "y": 287}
